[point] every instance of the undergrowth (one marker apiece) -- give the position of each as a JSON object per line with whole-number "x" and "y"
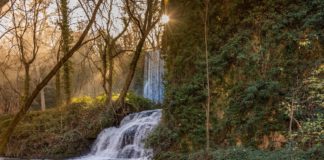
{"x": 65, "y": 131}
{"x": 315, "y": 153}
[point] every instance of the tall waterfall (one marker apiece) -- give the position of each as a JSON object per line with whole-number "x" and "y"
{"x": 126, "y": 141}
{"x": 153, "y": 76}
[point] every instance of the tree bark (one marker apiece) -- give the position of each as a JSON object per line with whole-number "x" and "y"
{"x": 104, "y": 69}
{"x": 42, "y": 92}
{"x": 110, "y": 77}
{"x": 26, "y": 105}
{"x": 65, "y": 48}
{"x": 43, "y": 102}
{"x": 131, "y": 72}
{"x": 26, "y": 82}
{"x": 58, "y": 88}
{"x": 58, "y": 95}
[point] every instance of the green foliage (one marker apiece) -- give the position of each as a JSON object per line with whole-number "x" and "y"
{"x": 315, "y": 153}
{"x": 58, "y": 132}
{"x": 309, "y": 109}
{"x": 65, "y": 131}
{"x": 101, "y": 99}
{"x": 84, "y": 99}
{"x": 161, "y": 139}
{"x": 312, "y": 131}
{"x": 260, "y": 52}
{"x": 184, "y": 110}
{"x": 139, "y": 103}
{"x": 252, "y": 111}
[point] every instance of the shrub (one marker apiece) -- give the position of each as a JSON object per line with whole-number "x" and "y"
{"x": 64, "y": 131}
{"x": 315, "y": 153}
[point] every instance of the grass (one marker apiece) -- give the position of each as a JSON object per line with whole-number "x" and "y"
{"x": 236, "y": 153}
{"x": 64, "y": 131}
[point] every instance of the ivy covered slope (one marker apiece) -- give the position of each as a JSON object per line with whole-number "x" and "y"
{"x": 66, "y": 131}
{"x": 265, "y": 57}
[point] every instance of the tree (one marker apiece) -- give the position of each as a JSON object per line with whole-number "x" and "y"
{"x": 108, "y": 49}
{"x": 58, "y": 86}
{"x": 27, "y": 103}
{"x": 9, "y": 93}
{"x": 145, "y": 14}
{"x": 65, "y": 49}
{"x": 42, "y": 92}
{"x": 22, "y": 28}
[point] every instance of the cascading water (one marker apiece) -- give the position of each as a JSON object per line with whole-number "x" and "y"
{"x": 153, "y": 73}
{"x": 126, "y": 141}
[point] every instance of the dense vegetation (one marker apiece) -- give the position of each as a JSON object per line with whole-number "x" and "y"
{"x": 247, "y": 154}
{"x": 65, "y": 131}
{"x": 39, "y": 39}
{"x": 266, "y": 62}
{"x": 244, "y": 79}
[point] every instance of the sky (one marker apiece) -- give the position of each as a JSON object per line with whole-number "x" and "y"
{"x": 77, "y": 15}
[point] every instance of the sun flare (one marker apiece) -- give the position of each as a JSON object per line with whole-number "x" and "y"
{"x": 165, "y": 19}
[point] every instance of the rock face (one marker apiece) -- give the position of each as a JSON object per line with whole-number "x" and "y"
{"x": 126, "y": 141}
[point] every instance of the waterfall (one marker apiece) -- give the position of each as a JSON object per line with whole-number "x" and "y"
{"x": 153, "y": 76}
{"x": 126, "y": 141}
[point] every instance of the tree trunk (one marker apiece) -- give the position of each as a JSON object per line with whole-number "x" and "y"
{"x": 110, "y": 78}
{"x": 58, "y": 88}
{"x": 26, "y": 105}
{"x": 67, "y": 82}
{"x": 26, "y": 82}
{"x": 131, "y": 72}
{"x": 6, "y": 135}
{"x": 104, "y": 71}
{"x": 58, "y": 92}
{"x": 43, "y": 102}
{"x": 65, "y": 49}
{"x": 42, "y": 92}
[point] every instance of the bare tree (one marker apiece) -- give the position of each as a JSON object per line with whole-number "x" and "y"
{"x": 107, "y": 45}
{"x": 155, "y": 38}
{"x": 108, "y": 51}
{"x": 145, "y": 14}
{"x": 24, "y": 22}
{"x": 26, "y": 105}
{"x": 9, "y": 93}
{"x": 9, "y": 98}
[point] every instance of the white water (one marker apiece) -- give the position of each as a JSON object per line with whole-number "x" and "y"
{"x": 153, "y": 77}
{"x": 127, "y": 141}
